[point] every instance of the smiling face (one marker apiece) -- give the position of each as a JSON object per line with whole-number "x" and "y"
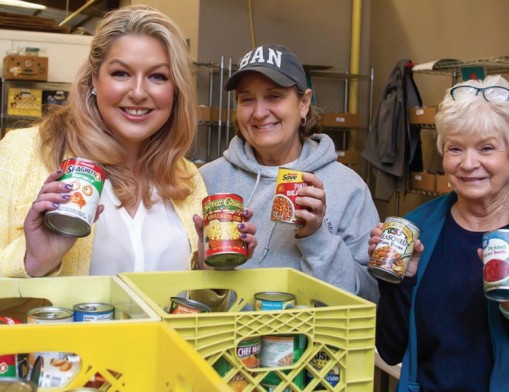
{"x": 134, "y": 90}
{"x": 477, "y": 165}
{"x": 269, "y": 117}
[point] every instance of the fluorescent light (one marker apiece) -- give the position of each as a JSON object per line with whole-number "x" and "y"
{"x": 22, "y": 4}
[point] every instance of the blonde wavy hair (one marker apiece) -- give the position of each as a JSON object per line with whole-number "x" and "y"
{"x": 77, "y": 128}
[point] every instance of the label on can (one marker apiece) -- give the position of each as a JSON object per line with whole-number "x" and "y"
{"x": 273, "y": 300}
{"x": 495, "y": 246}
{"x": 222, "y": 214}
{"x": 75, "y": 218}
{"x": 390, "y": 258}
{"x": 319, "y": 361}
{"x": 289, "y": 181}
{"x": 93, "y": 311}
{"x": 180, "y": 305}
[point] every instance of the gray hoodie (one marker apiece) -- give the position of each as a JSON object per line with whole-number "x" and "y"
{"x": 338, "y": 252}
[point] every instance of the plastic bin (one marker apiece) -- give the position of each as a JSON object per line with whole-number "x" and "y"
{"x": 344, "y": 329}
{"x": 69, "y": 291}
{"x": 144, "y": 356}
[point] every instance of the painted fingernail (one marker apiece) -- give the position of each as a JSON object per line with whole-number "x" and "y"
{"x": 56, "y": 205}
{"x": 245, "y": 212}
{"x": 68, "y": 187}
{"x": 241, "y": 226}
{"x": 66, "y": 197}
{"x": 60, "y": 171}
{"x": 243, "y": 235}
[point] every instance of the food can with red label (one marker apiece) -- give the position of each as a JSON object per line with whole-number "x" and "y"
{"x": 289, "y": 181}
{"x": 389, "y": 260}
{"x": 495, "y": 249}
{"x": 75, "y": 218}
{"x": 12, "y": 365}
{"x": 222, "y": 213}
{"x": 180, "y": 305}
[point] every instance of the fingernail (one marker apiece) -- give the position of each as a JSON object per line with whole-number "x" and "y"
{"x": 245, "y": 212}
{"x": 56, "y": 205}
{"x": 241, "y": 226}
{"x": 243, "y": 235}
{"x": 66, "y": 197}
{"x": 68, "y": 187}
{"x": 60, "y": 171}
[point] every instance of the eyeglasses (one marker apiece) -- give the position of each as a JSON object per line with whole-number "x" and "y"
{"x": 490, "y": 94}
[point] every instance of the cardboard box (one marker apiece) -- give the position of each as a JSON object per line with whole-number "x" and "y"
{"x": 341, "y": 120}
{"x": 422, "y": 115}
{"x": 422, "y": 181}
{"x": 18, "y": 67}
{"x": 442, "y": 183}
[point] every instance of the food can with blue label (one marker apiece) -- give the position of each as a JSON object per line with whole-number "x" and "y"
{"x": 495, "y": 249}
{"x": 274, "y": 300}
{"x": 93, "y": 311}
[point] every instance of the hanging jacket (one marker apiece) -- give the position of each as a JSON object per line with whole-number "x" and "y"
{"x": 392, "y": 143}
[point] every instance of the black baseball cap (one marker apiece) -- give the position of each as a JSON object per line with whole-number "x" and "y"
{"x": 276, "y": 62}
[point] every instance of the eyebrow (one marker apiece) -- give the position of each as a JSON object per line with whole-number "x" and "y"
{"x": 120, "y": 62}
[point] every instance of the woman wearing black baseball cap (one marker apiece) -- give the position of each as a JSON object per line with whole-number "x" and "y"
{"x": 277, "y": 126}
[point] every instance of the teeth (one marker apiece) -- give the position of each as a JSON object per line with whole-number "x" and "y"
{"x": 136, "y": 112}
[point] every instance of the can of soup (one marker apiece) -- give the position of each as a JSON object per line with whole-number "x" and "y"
{"x": 180, "y": 305}
{"x": 389, "y": 260}
{"x": 75, "y": 218}
{"x": 12, "y": 365}
{"x": 495, "y": 249}
{"x": 93, "y": 311}
{"x": 274, "y": 300}
{"x": 289, "y": 181}
{"x": 222, "y": 214}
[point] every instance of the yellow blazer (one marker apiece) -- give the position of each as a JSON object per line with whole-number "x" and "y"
{"x": 22, "y": 174}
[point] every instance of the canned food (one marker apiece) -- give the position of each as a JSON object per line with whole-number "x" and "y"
{"x": 495, "y": 245}
{"x": 319, "y": 361}
{"x": 93, "y": 311}
{"x": 14, "y": 384}
{"x": 222, "y": 214}
{"x": 248, "y": 351}
{"x": 389, "y": 260}
{"x": 49, "y": 314}
{"x": 274, "y": 300}
{"x": 12, "y": 365}
{"x": 75, "y": 218}
{"x": 289, "y": 181}
{"x": 180, "y": 305}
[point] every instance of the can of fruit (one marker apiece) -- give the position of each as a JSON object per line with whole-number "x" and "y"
{"x": 274, "y": 300}
{"x": 222, "y": 213}
{"x": 93, "y": 311}
{"x": 495, "y": 250}
{"x": 180, "y": 305}
{"x": 75, "y": 218}
{"x": 289, "y": 181}
{"x": 12, "y": 365}
{"x": 389, "y": 260}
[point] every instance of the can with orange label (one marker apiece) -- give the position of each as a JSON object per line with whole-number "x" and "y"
{"x": 222, "y": 214}
{"x": 289, "y": 181}
{"x": 75, "y": 218}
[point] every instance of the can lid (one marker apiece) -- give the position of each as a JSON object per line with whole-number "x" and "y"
{"x": 66, "y": 225}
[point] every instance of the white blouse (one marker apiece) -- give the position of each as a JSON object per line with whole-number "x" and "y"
{"x": 153, "y": 240}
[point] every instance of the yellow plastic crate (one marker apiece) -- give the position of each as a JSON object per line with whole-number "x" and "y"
{"x": 344, "y": 329}
{"x": 69, "y": 291}
{"x": 147, "y": 356}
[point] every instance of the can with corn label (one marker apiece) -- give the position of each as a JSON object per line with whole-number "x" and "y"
{"x": 75, "y": 218}
{"x": 289, "y": 181}
{"x": 222, "y": 213}
{"x": 274, "y": 300}
{"x": 93, "y": 311}
{"x": 495, "y": 247}
{"x": 389, "y": 260}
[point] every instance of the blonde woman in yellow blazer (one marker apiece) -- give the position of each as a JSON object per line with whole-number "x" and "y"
{"x": 132, "y": 109}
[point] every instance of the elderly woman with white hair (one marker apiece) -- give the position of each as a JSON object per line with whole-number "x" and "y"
{"x": 438, "y": 322}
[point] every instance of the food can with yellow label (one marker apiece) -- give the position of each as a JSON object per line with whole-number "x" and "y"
{"x": 75, "y": 218}
{"x": 289, "y": 181}
{"x": 222, "y": 213}
{"x": 389, "y": 260}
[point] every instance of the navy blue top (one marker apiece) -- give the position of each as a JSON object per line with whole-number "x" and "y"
{"x": 451, "y": 294}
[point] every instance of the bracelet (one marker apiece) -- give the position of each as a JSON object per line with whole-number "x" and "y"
{"x": 504, "y": 311}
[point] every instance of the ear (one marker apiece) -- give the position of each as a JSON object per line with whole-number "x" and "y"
{"x": 305, "y": 102}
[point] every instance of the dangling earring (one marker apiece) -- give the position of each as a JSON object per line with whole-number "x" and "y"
{"x": 93, "y": 92}
{"x": 303, "y": 122}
